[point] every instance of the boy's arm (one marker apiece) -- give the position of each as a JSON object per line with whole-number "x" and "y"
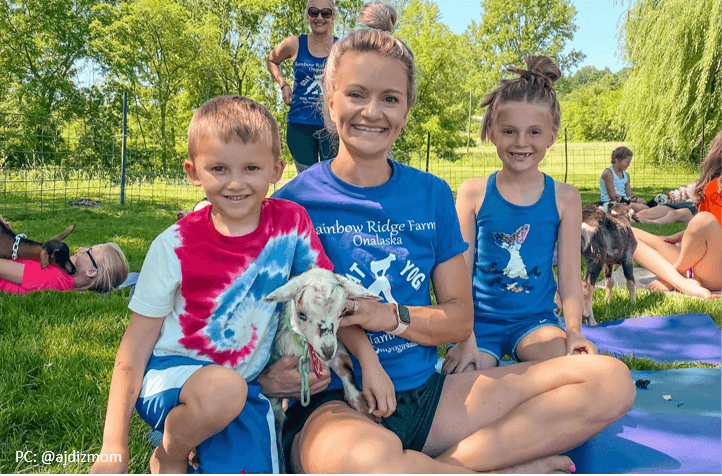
{"x": 12, "y": 271}
{"x": 130, "y": 363}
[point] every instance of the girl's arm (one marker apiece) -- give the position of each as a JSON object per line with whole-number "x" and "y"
{"x": 288, "y": 48}
{"x": 569, "y": 204}
{"x": 609, "y": 184}
{"x": 377, "y": 386}
{"x": 11, "y": 271}
{"x": 130, "y": 363}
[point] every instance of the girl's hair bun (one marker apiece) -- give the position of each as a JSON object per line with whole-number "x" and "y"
{"x": 540, "y": 69}
{"x": 378, "y": 16}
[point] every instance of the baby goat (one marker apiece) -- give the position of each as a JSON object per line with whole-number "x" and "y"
{"x": 313, "y": 304}
{"x": 53, "y": 251}
{"x": 607, "y": 239}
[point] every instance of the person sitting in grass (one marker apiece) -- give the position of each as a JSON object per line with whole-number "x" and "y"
{"x": 101, "y": 268}
{"x": 614, "y": 183}
{"x": 694, "y": 267}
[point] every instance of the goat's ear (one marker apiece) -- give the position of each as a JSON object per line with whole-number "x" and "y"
{"x": 355, "y": 290}
{"x": 44, "y": 259}
{"x": 286, "y": 292}
{"x": 64, "y": 234}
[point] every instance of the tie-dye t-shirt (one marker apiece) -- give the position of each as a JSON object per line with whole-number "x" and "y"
{"x": 209, "y": 287}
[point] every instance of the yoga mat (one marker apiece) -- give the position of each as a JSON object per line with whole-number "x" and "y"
{"x": 682, "y": 337}
{"x": 658, "y": 435}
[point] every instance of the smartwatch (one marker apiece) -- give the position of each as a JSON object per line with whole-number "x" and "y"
{"x": 403, "y": 319}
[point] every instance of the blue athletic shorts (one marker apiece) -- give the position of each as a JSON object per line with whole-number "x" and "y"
{"x": 499, "y": 334}
{"x": 247, "y": 444}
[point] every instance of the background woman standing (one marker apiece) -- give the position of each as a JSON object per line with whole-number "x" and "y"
{"x": 305, "y": 132}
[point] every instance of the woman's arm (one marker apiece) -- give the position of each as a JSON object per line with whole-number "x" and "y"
{"x": 11, "y": 271}
{"x": 130, "y": 363}
{"x": 570, "y": 284}
{"x": 609, "y": 184}
{"x": 287, "y": 49}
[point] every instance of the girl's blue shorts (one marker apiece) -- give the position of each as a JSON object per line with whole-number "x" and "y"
{"x": 499, "y": 334}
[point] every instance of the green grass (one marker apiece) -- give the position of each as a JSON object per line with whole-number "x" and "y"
{"x": 59, "y": 348}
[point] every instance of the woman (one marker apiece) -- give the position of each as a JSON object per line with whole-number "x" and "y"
{"x": 694, "y": 267}
{"x": 100, "y": 268}
{"x": 305, "y": 135}
{"x": 394, "y": 229}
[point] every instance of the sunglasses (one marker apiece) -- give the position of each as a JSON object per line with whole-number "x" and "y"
{"x": 325, "y": 12}
{"x": 95, "y": 265}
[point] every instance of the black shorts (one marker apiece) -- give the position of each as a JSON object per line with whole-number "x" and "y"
{"x": 686, "y": 204}
{"x": 411, "y": 422}
{"x": 307, "y": 143}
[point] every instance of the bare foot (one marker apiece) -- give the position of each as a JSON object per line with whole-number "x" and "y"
{"x": 161, "y": 464}
{"x": 550, "y": 464}
{"x": 692, "y": 288}
{"x": 657, "y": 285}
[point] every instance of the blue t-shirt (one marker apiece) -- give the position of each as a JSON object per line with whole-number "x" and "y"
{"x": 307, "y": 87}
{"x": 390, "y": 239}
{"x": 514, "y": 250}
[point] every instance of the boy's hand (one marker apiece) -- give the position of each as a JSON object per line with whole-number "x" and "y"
{"x": 111, "y": 464}
{"x": 379, "y": 391}
{"x": 463, "y": 357}
{"x": 282, "y": 380}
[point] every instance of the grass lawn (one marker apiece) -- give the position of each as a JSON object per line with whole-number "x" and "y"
{"x": 59, "y": 348}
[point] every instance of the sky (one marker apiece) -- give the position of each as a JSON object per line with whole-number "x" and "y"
{"x": 598, "y": 22}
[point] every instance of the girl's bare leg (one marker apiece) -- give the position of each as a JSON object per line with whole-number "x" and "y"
{"x": 524, "y": 412}
{"x": 211, "y": 398}
{"x": 542, "y": 343}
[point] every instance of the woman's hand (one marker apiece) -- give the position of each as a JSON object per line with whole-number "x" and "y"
{"x": 463, "y": 357}
{"x": 379, "y": 391}
{"x": 578, "y": 344}
{"x": 282, "y": 380}
{"x": 370, "y": 315}
{"x": 287, "y": 94}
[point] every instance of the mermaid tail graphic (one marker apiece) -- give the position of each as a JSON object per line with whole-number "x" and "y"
{"x": 512, "y": 243}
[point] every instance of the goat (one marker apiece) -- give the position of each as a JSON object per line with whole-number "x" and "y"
{"x": 607, "y": 239}
{"x": 53, "y": 251}
{"x": 313, "y": 304}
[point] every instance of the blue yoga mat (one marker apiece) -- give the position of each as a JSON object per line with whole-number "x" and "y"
{"x": 682, "y": 337}
{"x": 680, "y": 435}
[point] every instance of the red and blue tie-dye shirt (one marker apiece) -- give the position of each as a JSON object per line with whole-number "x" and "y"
{"x": 209, "y": 287}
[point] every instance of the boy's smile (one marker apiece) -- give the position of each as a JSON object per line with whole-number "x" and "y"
{"x": 235, "y": 178}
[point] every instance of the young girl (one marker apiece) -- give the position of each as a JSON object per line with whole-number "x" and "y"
{"x": 614, "y": 182}
{"x": 100, "y": 268}
{"x": 512, "y": 221}
{"x": 394, "y": 229}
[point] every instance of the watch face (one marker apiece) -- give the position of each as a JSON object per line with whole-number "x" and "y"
{"x": 404, "y": 315}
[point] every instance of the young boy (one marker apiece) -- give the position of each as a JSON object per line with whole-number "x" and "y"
{"x": 200, "y": 333}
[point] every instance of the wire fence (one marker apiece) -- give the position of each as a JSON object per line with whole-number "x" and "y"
{"x": 55, "y": 165}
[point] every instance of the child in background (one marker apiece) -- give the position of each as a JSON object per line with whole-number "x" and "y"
{"x": 200, "y": 333}
{"x": 512, "y": 221}
{"x": 614, "y": 182}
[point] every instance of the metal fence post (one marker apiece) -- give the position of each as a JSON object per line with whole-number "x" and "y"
{"x": 428, "y": 145}
{"x": 566, "y": 156}
{"x": 124, "y": 150}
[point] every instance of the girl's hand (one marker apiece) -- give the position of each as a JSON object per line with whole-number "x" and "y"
{"x": 578, "y": 344}
{"x": 379, "y": 391}
{"x": 111, "y": 460}
{"x": 282, "y": 380}
{"x": 463, "y": 357}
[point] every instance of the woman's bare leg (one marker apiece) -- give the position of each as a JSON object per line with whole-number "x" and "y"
{"x": 683, "y": 215}
{"x": 648, "y": 215}
{"x": 701, "y": 250}
{"x": 523, "y": 412}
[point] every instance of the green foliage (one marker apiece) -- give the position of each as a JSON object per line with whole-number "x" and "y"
{"x": 674, "y": 85}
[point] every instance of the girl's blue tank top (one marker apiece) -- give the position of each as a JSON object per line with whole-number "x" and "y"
{"x": 306, "y": 100}
{"x": 514, "y": 249}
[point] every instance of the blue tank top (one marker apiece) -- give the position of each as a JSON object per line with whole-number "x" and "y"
{"x": 306, "y": 101}
{"x": 620, "y": 185}
{"x": 514, "y": 249}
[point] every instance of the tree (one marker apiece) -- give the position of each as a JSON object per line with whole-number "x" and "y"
{"x": 673, "y": 91}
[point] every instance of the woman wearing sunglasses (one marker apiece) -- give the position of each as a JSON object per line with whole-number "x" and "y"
{"x": 305, "y": 134}
{"x": 100, "y": 268}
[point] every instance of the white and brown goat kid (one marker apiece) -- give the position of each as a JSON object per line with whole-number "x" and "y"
{"x": 314, "y": 302}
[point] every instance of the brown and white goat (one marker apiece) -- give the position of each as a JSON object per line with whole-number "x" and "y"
{"x": 53, "y": 251}
{"x": 607, "y": 239}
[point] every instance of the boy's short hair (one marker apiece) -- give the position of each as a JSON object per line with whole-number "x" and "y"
{"x": 621, "y": 153}
{"x": 233, "y": 117}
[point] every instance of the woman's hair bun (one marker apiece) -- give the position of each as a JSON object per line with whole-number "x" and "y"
{"x": 379, "y": 16}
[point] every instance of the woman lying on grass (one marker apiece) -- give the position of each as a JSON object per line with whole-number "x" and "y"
{"x": 694, "y": 267}
{"x": 100, "y": 268}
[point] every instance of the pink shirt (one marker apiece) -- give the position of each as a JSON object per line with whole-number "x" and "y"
{"x": 36, "y": 279}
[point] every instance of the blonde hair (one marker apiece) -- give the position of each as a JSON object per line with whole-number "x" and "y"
{"x": 367, "y": 41}
{"x": 233, "y": 117}
{"x": 711, "y": 169}
{"x": 534, "y": 85}
{"x": 112, "y": 269}
{"x": 620, "y": 153}
{"x": 379, "y": 16}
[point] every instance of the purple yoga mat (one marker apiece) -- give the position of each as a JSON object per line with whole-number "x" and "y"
{"x": 682, "y": 337}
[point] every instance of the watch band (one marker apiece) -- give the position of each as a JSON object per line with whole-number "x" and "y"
{"x": 400, "y": 324}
